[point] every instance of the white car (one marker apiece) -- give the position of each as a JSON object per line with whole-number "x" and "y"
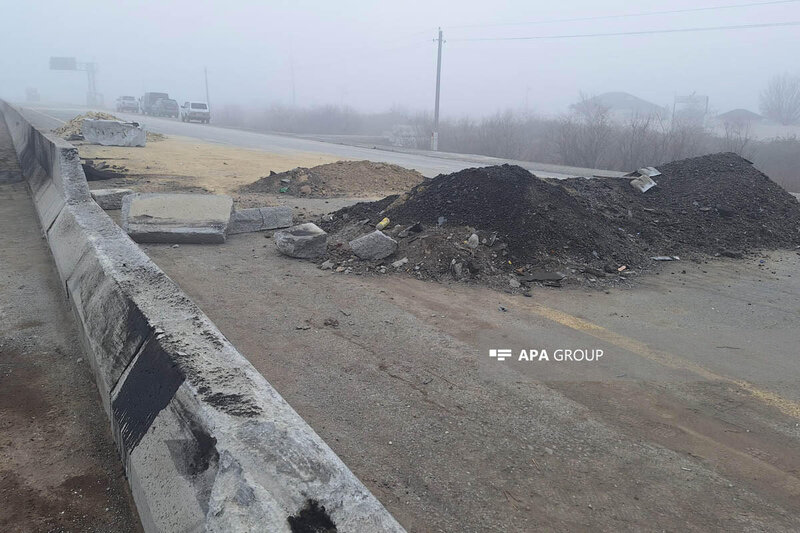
{"x": 195, "y": 111}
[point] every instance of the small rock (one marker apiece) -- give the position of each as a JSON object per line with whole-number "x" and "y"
{"x": 514, "y": 283}
{"x": 400, "y": 262}
{"x": 305, "y": 241}
{"x": 473, "y": 241}
{"x": 332, "y": 322}
{"x": 305, "y": 189}
{"x": 327, "y": 265}
{"x": 373, "y": 246}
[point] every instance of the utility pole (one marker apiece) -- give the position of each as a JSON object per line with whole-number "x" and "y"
{"x": 435, "y": 137}
{"x": 208, "y": 102}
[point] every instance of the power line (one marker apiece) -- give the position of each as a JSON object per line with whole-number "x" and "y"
{"x": 629, "y": 33}
{"x": 627, "y": 15}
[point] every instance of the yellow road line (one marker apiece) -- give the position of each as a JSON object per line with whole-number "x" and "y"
{"x": 784, "y": 405}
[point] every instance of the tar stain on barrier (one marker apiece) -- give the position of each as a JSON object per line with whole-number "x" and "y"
{"x": 313, "y": 518}
{"x": 150, "y": 386}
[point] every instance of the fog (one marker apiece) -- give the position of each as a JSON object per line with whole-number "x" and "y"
{"x": 375, "y": 55}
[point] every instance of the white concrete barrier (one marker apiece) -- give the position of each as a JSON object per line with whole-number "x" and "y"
{"x": 207, "y": 443}
{"x": 113, "y": 132}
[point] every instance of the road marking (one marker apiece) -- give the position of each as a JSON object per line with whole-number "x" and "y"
{"x": 784, "y": 405}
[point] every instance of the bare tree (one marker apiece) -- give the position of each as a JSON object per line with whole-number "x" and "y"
{"x": 737, "y": 137}
{"x": 780, "y": 100}
{"x": 582, "y": 138}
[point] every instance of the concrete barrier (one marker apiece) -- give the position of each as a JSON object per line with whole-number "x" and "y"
{"x": 207, "y": 443}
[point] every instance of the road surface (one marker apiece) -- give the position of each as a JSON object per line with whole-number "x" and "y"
{"x": 689, "y": 422}
{"x": 427, "y": 163}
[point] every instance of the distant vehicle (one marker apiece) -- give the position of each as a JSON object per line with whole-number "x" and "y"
{"x": 165, "y": 107}
{"x": 127, "y": 103}
{"x": 147, "y": 101}
{"x": 195, "y": 111}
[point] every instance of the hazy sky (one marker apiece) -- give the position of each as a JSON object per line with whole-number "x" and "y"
{"x": 373, "y": 55}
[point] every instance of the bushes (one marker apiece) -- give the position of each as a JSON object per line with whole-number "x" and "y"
{"x": 586, "y": 137}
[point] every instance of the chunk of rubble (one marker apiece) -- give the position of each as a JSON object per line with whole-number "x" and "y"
{"x": 305, "y": 241}
{"x": 110, "y": 198}
{"x": 176, "y": 218}
{"x": 113, "y": 132}
{"x": 373, "y": 246}
{"x": 260, "y": 219}
{"x": 644, "y": 178}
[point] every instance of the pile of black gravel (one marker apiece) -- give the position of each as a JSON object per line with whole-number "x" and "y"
{"x": 715, "y": 204}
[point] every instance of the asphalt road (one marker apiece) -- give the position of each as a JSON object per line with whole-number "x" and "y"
{"x": 426, "y": 162}
{"x": 689, "y": 422}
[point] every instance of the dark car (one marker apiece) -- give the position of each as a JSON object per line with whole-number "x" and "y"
{"x": 166, "y": 107}
{"x": 148, "y": 100}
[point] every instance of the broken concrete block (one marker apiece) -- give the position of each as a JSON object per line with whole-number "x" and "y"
{"x": 260, "y": 219}
{"x": 643, "y": 183}
{"x": 110, "y": 198}
{"x": 113, "y": 133}
{"x": 305, "y": 241}
{"x": 176, "y": 218}
{"x": 373, "y": 246}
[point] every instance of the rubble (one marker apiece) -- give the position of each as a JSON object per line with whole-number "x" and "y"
{"x": 176, "y": 218}
{"x": 480, "y": 224}
{"x": 373, "y": 246}
{"x": 305, "y": 241}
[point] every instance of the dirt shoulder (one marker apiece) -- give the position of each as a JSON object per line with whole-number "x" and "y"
{"x": 59, "y": 468}
{"x": 191, "y": 163}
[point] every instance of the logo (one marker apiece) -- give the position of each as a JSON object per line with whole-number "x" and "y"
{"x": 559, "y": 355}
{"x": 500, "y": 355}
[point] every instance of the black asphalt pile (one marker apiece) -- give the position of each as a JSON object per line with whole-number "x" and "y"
{"x": 597, "y": 230}
{"x": 713, "y": 204}
{"x": 533, "y": 217}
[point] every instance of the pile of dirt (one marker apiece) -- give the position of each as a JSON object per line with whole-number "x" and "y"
{"x": 71, "y": 131}
{"x": 590, "y": 230}
{"x": 343, "y": 178}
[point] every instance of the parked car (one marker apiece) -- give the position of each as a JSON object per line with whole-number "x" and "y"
{"x": 148, "y": 100}
{"x": 195, "y": 111}
{"x": 166, "y": 107}
{"x": 127, "y": 103}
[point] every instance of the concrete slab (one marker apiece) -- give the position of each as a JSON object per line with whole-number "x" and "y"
{"x": 176, "y": 218}
{"x": 305, "y": 241}
{"x": 260, "y": 219}
{"x": 110, "y": 198}
{"x": 113, "y": 132}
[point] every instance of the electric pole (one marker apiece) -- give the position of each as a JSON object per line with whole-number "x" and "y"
{"x": 435, "y": 137}
{"x": 208, "y": 102}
